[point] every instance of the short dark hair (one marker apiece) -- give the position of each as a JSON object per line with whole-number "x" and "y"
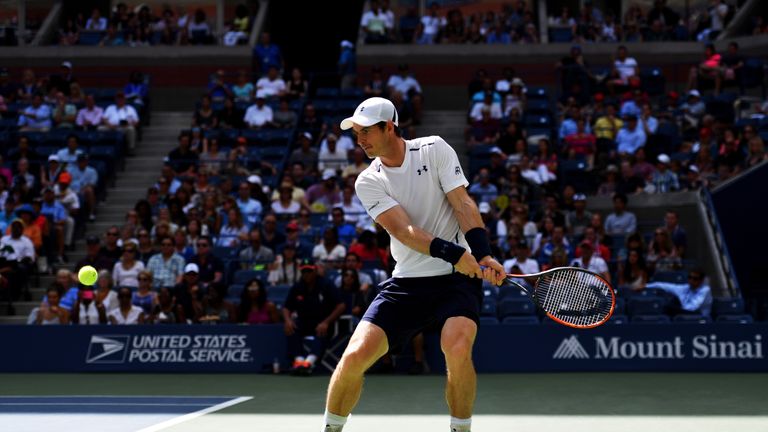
{"x": 621, "y": 197}
{"x": 383, "y": 126}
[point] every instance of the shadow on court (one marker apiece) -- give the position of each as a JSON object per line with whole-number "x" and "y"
{"x": 637, "y": 394}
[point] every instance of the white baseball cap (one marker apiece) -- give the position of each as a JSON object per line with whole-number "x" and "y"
{"x": 484, "y": 207}
{"x": 191, "y": 268}
{"x": 371, "y": 111}
{"x": 663, "y": 158}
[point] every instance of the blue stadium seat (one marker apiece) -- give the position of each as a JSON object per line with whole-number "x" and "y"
{"x": 618, "y": 319}
{"x": 243, "y": 276}
{"x": 648, "y": 292}
{"x": 90, "y": 37}
{"x": 45, "y": 151}
{"x": 677, "y": 277}
{"x": 650, "y": 319}
{"x": 487, "y": 320}
{"x": 234, "y": 291}
{"x": 537, "y": 121}
{"x": 278, "y": 294}
{"x": 8, "y": 123}
{"x": 536, "y": 93}
{"x": 516, "y": 306}
{"x": 753, "y": 74}
{"x": 692, "y": 319}
{"x": 252, "y": 135}
{"x": 327, "y": 93}
{"x": 107, "y": 154}
{"x": 645, "y": 306}
{"x": 727, "y": 306}
{"x": 521, "y": 320}
{"x": 352, "y": 93}
{"x": 560, "y": 34}
{"x": 225, "y": 253}
{"x": 735, "y": 319}
{"x": 652, "y": 81}
{"x": 511, "y": 291}
{"x": 620, "y": 306}
{"x": 489, "y": 307}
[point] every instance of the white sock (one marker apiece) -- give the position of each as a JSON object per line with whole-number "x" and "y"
{"x": 333, "y": 420}
{"x": 312, "y": 359}
{"x": 461, "y": 425}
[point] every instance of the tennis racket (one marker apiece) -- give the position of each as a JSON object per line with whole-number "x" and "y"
{"x": 570, "y": 296}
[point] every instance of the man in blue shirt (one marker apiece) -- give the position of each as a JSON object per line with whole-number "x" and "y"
{"x": 53, "y": 208}
{"x": 347, "y": 65}
{"x": 36, "y": 117}
{"x": 84, "y": 181}
{"x": 694, "y": 297}
{"x": 484, "y": 190}
{"x": 68, "y": 155}
{"x": 620, "y": 222}
{"x": 266, "y": 55}
{"x": 631, "y": 137}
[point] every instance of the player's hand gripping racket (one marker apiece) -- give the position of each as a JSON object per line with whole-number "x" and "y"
{"x": 571, "y": 296}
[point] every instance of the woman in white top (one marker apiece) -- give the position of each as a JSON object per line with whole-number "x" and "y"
{"x": 212, "y": 159}
{"x": 86, "y": 310}
{"x": 126, "y": 271}
{"x": 127, "y": 313}
{"x": 232, "y": 233}
{"x": 104, "y": 292}
{"x": 50, "y": 312}
{"x": 330, "y": 252}
{"x": 285, "y": 203}
{"x": 285, "y": 269}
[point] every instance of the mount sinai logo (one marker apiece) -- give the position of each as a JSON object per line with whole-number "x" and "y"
{"x": 570, "y": 348}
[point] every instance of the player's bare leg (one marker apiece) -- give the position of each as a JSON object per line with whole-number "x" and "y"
{"x": 368, "y": 344}
{"x": 456, "y": 341}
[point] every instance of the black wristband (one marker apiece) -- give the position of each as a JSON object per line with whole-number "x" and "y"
{"x": 445, "y": 250}
{"x": 477, "y": 238}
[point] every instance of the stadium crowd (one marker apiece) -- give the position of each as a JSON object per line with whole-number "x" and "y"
{"x": 517, "y": 22}
{"x": 141, "y": 26}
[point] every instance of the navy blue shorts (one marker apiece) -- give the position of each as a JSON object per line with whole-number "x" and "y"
{"x": 406, "y": 306}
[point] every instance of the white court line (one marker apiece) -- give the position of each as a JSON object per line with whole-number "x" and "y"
{"x": 115, "y": 396}
{"x": 186, "y": 417}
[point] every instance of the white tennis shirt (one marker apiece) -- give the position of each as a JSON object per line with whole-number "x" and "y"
{"x": 430, "y": 170}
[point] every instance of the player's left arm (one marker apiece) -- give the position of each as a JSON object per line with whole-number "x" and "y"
{"x": 471, "y": 224}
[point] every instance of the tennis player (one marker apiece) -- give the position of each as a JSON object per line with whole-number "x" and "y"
{"x": 416, "y": 190}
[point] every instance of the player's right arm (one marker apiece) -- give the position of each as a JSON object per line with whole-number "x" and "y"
{"x": 396, "y": 221}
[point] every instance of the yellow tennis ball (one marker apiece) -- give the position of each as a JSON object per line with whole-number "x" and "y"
{"x": 87, "y": 275}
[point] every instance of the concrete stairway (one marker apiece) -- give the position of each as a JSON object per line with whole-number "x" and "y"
{"x": 141, "y": 171}
{"x": 450, "y": 126}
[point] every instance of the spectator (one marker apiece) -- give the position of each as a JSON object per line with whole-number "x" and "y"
{"x": 598, "y": 245}
{"x": 255, "y": 255}
{"x": 650, "y": 123}
{"x": 166, "y": 267}
{"x": 625, "y": 72}
{"x": 631, "y": 137}
{"x": 198, "y": 31}
{"x": 182, "y": 159}
{"x": 284, "y": 117}
{"x": 310, "y": 122}
{"x": 96, "y": 22}
{"x": 487, "y": 104}
{"x": 266, "y": 54}
{"x": 285, "y": 269}
{"x": 756, "y": 152}
{"x": 122, "y": 117}
{"x": 556, "y": 241}
{"x": 297, "y": 87}
{"x": 110, "y": 250}
{"x": 270, "y": 236}
{"x": 271, "y": 85}
{"x": 577, "y": 220}
{"x": 165, "y": 311}
{"x": 483, "y": 190}
{"x": 188, "y": 294}
{"x": 633, "y": 273}
{"x": 594, "y": 263}
{"x": 17, "y": 258}
{"x": 85, "y": 179}
{"x": 693, "y": 109}
{"x": 368, "y": 248}
{"x": 208, "y": 267}
{"x": 662, "y": 255}
{"x": 243, "y": 90}
{"x": 324, "y": 196}
{"x": 405, "y": 84}
{"x": 522, "y": 260}
{"x": 693, "y": 297}
{"x": 145, "y": 249}
{"x": 374, "y": 24}
{"x": 218, "y": 89}
{"x": 126, "y": 313}
{"x": 354, "y": 212}
{"x": 67, "y": 156}
{"x": 126, "y": 271}
{"x": 144, "y": 297}
{"x": 212, "y": 159}
{"x": 285, "y": 205}
{"x": 358, "y": 164}
{"x": 36, "y": 117}
{"x": 610, "y": 185}
{"x": 50, "y": 312}
{"x": 87, "y": 310}
{"x": 708, "y": 69}
{"x": 732, "y": 63}
{"x": 428, "y": 31}
{"x": 205, "y": 117}
{"x": 55, "y": 211}
{"x": 332, "y": 157}
{"x": 64, "y": 112}
{"x": 92, "y": 257}
{"x": 663, "y": 179}
{"x": 234, "y": 231}
{"x": 258, "y": 115}
{"x": 255, "y": 308}
{"x": 89, "y": 117}
{"x": 312, "y": 306}
{"x": 608, "y": 125}
{"x": 581, "y": 144}
{"x": 215, "y": 308}
{"x": 330, "y": 252}
{"x": 136, "y": 91}
{"x": 621, "y": 222}
{"x": 71, "y": 203}
{"x": 347, "y": 65}
{"x": 345, "y": 231}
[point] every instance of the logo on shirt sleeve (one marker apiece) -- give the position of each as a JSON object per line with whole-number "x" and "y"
{"x": 457, "y": 171}
{"x": 373, "y": 206}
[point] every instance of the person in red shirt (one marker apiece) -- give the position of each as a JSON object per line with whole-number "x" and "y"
{"x": 581, "y": 144}
{"x": 366, "y": 247}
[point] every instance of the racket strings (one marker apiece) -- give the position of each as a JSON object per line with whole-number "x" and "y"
{"x": 575, "y": 297}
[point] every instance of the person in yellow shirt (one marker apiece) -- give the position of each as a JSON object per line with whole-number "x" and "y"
{"x": 608, "y": 126}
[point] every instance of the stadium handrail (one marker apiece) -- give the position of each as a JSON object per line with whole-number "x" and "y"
{"x": 724, "y": 269}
